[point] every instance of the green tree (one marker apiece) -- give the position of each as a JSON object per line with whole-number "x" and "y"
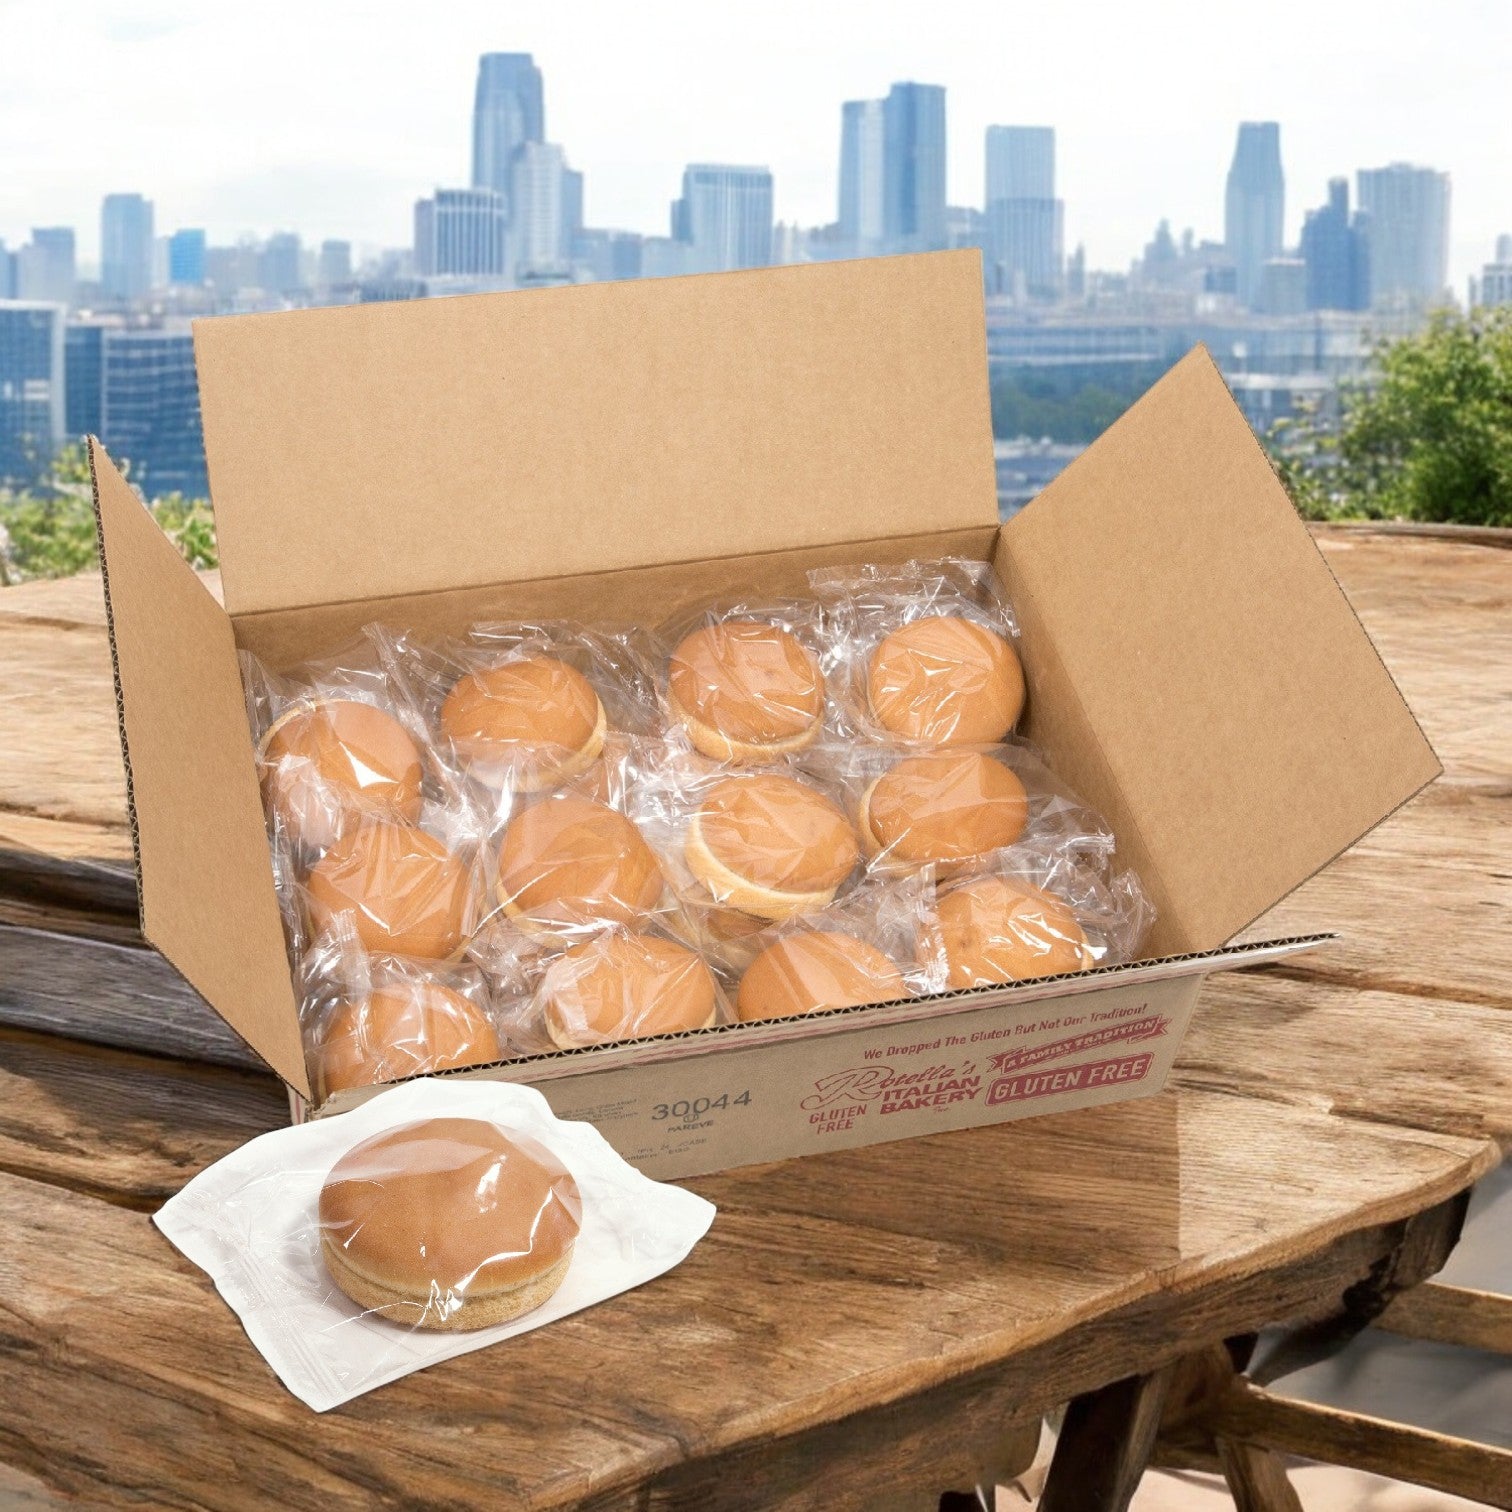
{"x": 49, "y": 530}
{"x": 1429, "y": 437}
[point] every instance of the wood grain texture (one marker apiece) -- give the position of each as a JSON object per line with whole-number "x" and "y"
{"x": 1256, "y": 1478}
{"x": 1104, "y": 1445}
{"x": 1416, "y": 1455}
{"x": 1452, "y": 1315}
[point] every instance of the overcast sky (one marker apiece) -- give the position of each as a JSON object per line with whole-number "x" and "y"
{"x": 330, "y": 119}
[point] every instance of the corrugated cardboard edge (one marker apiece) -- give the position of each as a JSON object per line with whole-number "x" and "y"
{"x": 919, "y": 1012}
{"x": 291, "y": 1071}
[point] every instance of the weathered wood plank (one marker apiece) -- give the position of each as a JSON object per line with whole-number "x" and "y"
{"x": 1104, "y": 1445}
{"x": 140, "y": 1379}
{"x": 1421, "y": 1062}
{"x": 1256, "y": 1478}
{"x": 1452, "y": 1315}
{"x": 1416, "y": 1455}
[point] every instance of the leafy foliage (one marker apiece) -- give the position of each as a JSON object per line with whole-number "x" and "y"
{"x": 1066, "y": 405}
{"x": 49, "y": 531}
{"x": 1428, "y": 438}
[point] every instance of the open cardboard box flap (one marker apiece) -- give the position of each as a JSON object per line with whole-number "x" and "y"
{"x": 1194, "y": 670}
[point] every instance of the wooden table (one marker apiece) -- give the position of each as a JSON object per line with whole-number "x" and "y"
{"x": 868, "y": 1328}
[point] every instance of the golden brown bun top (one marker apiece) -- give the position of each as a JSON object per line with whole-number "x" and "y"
{"x": 751, "y": 681}
{"x": 404, "y": 891}
{"x": 535, "y": 702}
{"x": 626, "y": 986}
{"x": 778, "y": 832}
{"x": 339, "y": 754}
{"x": 950, "y": 807}
{"x": 450, "y": 1206}
{"x": 994, "y": 929}
{"x": 406, "y": 1028}
{"x": 803, "y": 973}
{"x": 947, "y": 681}
{"x": 570, "y": 860}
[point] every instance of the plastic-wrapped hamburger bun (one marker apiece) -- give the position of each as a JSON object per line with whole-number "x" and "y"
{"x": 620, "y": 986}
{"x": 449, "y": 1223}
{"x": 944, "y": 681}
{"x": 770, "y": 845}
{"x": 403, "y": 891}
{"x": 998, "y": 929}
{"x": 949, "y": 808}
{"x": 818, "y": 969}
{"x": 746, "y": 691}
{"x": 530, "y": 724}
{"x": 328, "y": 764}
{"x": 570, "y": 861}
{"x": 405, "y": 1028}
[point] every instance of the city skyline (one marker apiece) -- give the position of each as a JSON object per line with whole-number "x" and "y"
{"x": 626, "y": 152}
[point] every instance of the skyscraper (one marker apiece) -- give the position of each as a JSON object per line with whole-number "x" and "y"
{"x": 150, "y": 410}
{"x": 186, "y": 258}
{"x": 335, "y": 265}
{"x": 84, "y": 369}
{"x": 538, "y": 209}
{"x": 1337, "y": 254}
{"x": 1254, "y": 207}
{"x": 913, "y": 191}
{"x": 725, "y": 217}
{"x": 1407, "y": 226}
{"x": 126, "y": 245}
{"x": 45, "y": 267}
{"x": 862, "y": 147}
{"x": 508, "y": 111}
{"x": 1025, "y": 221}
{"x": 31, "y": 388}
{"x": 280, "y": 263}
{"x": 460, "y": 232}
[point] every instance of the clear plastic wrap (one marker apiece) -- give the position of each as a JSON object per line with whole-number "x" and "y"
{"x": 518, "y": 709}
{"x": 374, "y": 1019}
{"x": 741, "y": 847}
{"x": 745, "y": 683}
{"x": 955, "y": 808}
{"x": 437, "y": 1218}
{"x": 1037, "y": 913}
{"x": 334, "y": 748}
{"x": 875, "y": 946}
{"x": 922, "y": 653}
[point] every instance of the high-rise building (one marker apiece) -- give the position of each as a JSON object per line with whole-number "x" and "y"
{"x": 186, "y": 258}
{"x": 334, "y": 267}
{"x": 913, "y": 189}
{"x": 150, "y": 412}
{"x": 862, "y": 149}
{"x": 461, "y": 232}
{"x": 1025, "y": 221}
{"x": 538, "y": 210}
{"x": 45, "y": 267}
{"x": 7, "y": 273}
{"x": 1020, "y": 163}
{"x": 572, "y": 206}
{"x": 1495, "y": 284}
{"x": 84, "y": 374}
{"x": 280, "y": 271}
{"x": 1254, "y": 206}
{"x": 31, "y": 387}
{"x": 1407, "y": 226}
{"x": 724, "y": 217}
{"x": 606, "y": 255}
{"x": 508, "y": 111}
{"x": 126, "y": 246}
{"x": 1336, "y": 249}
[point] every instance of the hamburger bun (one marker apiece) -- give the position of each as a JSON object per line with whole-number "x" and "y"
{"x": 997, "y": 929}
{"x": 945, "y": 681}
{"x": 806, "y": 973}
{"x": 770, "y": 845}
{"x": 406, "y": 1028}
{"x": 746, "y": 691}
{"x": 336, "y": 761}
{"x": 621, "y": 986}
{"x": 529, "y": 724}
{"x": 449, "y": 1223}
{"x": 404, "y": 892}
{"x": 568, "y": 860}
{"x": 948, "y": 808}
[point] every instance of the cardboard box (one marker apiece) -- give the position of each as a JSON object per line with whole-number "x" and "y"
{"x": 622, "y": 450}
